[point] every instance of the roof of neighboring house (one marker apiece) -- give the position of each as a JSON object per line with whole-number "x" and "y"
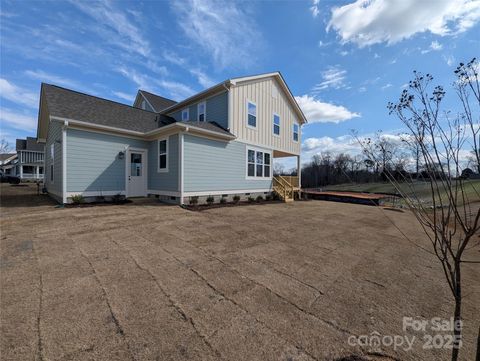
{"x": 156, "y": 101}
{"x": 80, "y": 107}
{"x": 5, "y": 156}
{"x": 29, "y": 144}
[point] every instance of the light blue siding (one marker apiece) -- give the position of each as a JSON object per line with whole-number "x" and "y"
{"x": 166, "y": 181}
{"x": 211, "y": 165}
{"x": 93, "y": 163}
{"x": 217, "y": 110}
{"x": 54, "y": 137}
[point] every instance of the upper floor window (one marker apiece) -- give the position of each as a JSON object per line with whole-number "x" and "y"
{"x": 251, "y": 114}
{"x": 163, "y": 155}
{"x": 276, "y": 124}
{"x": 52, "y": 151}
{"x": 295, "y": 132}
{"x": 185, "y": 114}
{"x": 201, "y": 109}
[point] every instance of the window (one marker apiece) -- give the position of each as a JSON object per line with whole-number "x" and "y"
{"x": 201, "y": 109}
{"x": 163, "y": 155}
{"x": 251, "y": 114}
{"x": 51, "y": 172}
{"x": 52, "y": 151}
{"x": 295, "y": 132}
{"x": 144, "y": 105}
{"x": 276, "y": 124}
{"x": 185, "y": 114}
{"x": 258, "y": 164}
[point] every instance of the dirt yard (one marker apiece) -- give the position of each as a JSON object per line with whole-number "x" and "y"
{"x": 146, "y": 281}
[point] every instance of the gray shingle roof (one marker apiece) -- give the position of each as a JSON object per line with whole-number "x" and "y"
{"x": 4, "y": 156}
{"x": 65, "y": 103}
{"x": 29, "y": 144}
{"x": 158, "y": 102}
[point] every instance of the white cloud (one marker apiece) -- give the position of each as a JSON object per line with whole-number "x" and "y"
{"x": 449, "y": 59}
{"x": 321, "y": 112}
{"x": 315, "y": 8}
{"x": 343, "y": 144}
{"x": 376, "y": 21}
{"x": 333, "y": 77}
{"x": 202, "y": 78}
{"x": 124, "y": 96}
{"x": 17, "y": 95}
{"x": 51, "y": 78}
{"x": 434, "y": 46}
{"x": 362, "y": 89}
{"x": 386, "y": 86}
{"x": 17, "y": 120}
{"x": 125, "y": 33}
{"x": 221, "y": 29}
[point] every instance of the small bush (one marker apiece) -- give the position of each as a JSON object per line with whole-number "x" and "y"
{"x": 251, "y": 199}
{"x": 223, "y": 200}
{"x": 117, "y": 198}
{"x": 77, "y": 199}
{"x": 276, "y": 196}
{"x": 193, "y": 200}
{"x": 268, "y": 197}
{"x": 236, "y": 199}
{"x": 210, "y": 200}
{"x": 259, "y": 199}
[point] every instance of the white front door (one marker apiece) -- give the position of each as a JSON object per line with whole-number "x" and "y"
{"x": 136, "y": 176}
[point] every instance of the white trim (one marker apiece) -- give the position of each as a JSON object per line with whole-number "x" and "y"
{"x": 181, "y": 168}
{"x": 93, "y": 130}
{"x": 248, "y": 101}
{"x": 279, "y": 125}
{"x": 230, "y": 109}
{"x": 127, "y": 169}
{"x": 204, "y": 102}
{"x": 163, "y": 193}
{"x": 187, "y": 110}
{"x": 247, "y": 177}
{"x": 64, "y": 161}
{"x": 267, "y": 147}
{"x": 99, "y": 126}
{"x": 145, "y": 98}
{"x": 167, "y": 139}
{"x": 95, "y": 193}
{"x": 236, "y": 191}
{"x": 212, "y": 91}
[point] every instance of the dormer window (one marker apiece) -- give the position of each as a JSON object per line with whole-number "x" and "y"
{"x": 185, "y": 114}
{"x": 201, "y": 110}
{"x": 144, "y": 105}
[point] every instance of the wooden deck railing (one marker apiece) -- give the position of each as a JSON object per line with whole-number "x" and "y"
{"x": 285, "y": 187}
{"x": 292, "y": 180}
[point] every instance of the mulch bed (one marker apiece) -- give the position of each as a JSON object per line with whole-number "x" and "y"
{"x": 205, "y": 207}
{"x": 95, "y": 204}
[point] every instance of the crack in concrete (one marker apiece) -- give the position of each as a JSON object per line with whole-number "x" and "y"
{"x": 118, "y": 326}
{"x": 174, "y": 304}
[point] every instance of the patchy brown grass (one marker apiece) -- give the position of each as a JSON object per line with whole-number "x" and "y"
{"x": 146, "y": 281}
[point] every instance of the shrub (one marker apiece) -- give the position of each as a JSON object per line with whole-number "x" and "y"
{"x": 210, "y": 200}
{"x": 117, "y": 198}
{"x": 77, "y": 199}
{"x": 223, "y": 200}
{"x": 259, "y": 199}
{"x": 251, "y": 199}
{"x": 193, "y": 200}
{"x": 268, "y": 197}
{"x": 276, "y": 196}
{"x": 236, "y": 199}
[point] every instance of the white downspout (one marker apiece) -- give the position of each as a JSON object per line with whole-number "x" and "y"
{"x": 64, "y": 161}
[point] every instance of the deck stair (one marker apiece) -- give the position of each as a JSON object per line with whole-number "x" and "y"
{"x": 286, "y": 187}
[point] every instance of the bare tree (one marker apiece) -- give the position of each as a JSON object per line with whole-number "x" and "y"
{"x": 5, "y": 146}
{"x": 447, "y": 219}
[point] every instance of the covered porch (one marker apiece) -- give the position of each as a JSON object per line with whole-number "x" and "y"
{"x": 288, "y": 187}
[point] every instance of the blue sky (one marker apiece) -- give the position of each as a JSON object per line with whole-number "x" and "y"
{"x": 342, "y": 60}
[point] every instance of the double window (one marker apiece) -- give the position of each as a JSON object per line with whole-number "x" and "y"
{"x": 295, "y": 132}
{"x": 251, "y": 114}
{"x": 258, "y": 164}
{"x": 185, "y": 115}
{"x": 201, "y": 110}
{"x": 163, "y": 155}
{"x": 276, "y": 124}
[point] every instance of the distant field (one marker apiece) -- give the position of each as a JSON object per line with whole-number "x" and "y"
{"x": 421, "y": 189}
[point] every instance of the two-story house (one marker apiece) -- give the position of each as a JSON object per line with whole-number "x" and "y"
{"x": 220, "y": 142}
{"x": 29, "y": 162}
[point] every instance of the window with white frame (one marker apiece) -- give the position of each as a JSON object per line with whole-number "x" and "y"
{"x": 163, "y": 155}
{"x": 201, "y": 110}
{"x": 52, "y": 151}
{"x": 295, "y": 132}
{"x": 251, "y": 114}
{"x": 258, "y": 164}
{"x": 276, "y": 124}
{"x": 185, "y": 114}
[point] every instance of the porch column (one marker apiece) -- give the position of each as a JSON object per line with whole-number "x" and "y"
{"x": 37, "y": 172}
{"x": 299, "y": 171}
{"x": 21, "y": 171}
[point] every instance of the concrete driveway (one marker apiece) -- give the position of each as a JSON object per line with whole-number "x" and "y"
{"x": 260, "y": 282}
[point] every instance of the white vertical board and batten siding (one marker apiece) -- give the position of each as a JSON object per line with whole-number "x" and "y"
{"x": 262, "y": 93}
